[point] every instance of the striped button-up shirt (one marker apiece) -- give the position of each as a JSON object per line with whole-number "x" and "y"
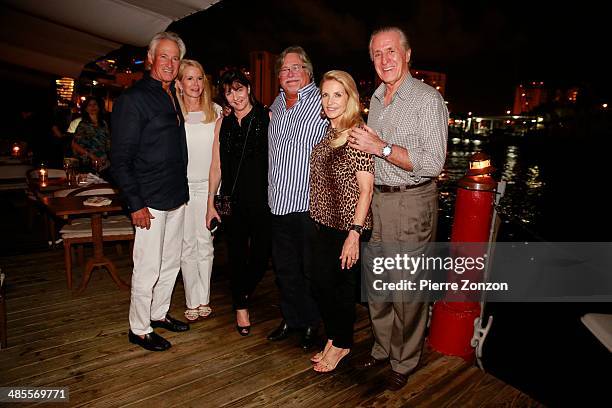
{"x": 416, "y": 119}
{"x": 291, "y": 136}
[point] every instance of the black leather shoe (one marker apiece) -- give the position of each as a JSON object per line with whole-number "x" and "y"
{"x": 281, "y": 332}
{"x": 170, "y": 324}
{"x": 396, "y": 381}
{"x": 309, "y": 336}
{"x": 151, "y": 341}
{"x": 367, "y": 362}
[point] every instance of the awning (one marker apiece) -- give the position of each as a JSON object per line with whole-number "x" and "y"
{"x": 60, "y": 36}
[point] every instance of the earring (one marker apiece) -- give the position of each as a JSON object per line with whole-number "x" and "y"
{"x": 322, "y": 114}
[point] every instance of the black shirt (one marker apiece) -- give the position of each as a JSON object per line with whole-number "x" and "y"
{"x": 148, "y": 148}
{"x": 252, "y": 182}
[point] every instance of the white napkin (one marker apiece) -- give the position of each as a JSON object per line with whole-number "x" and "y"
{"x": 93, "y": 179}
{"x": 97, "y": 201}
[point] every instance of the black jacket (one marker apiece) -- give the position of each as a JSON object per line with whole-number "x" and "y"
{"x": 148, "y": 148}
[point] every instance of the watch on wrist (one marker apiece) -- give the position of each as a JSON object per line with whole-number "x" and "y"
{"x": 357, "y": 228}
{"x": 386, "y": 151}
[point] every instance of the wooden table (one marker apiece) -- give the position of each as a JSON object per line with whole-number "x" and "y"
{"x": 71, "y": 206}
{"x": 52, "y": 185}
{"x": 40, "y": 191}
{"x": 13, "y": 176}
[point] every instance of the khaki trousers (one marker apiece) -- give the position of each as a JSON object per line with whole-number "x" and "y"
{"x": 408, "y": 217}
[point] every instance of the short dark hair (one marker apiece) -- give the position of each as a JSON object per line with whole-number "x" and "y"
{"x": 228, "y": 79}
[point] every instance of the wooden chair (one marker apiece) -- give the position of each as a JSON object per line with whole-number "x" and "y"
{"x": 3, "y": 334}
{"x": 114, "y": 228}
{"x": 601, "y": 326}
{"x": 32, "y": 177}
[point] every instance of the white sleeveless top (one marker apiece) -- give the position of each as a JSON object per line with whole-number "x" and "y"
{"x": 200, "y": 137}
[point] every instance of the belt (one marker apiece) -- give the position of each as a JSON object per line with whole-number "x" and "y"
{"x": 397, "y": 189}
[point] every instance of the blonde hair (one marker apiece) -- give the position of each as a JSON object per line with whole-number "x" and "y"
{"x": 206, "y": 102}
{"x": 352, "y": 115}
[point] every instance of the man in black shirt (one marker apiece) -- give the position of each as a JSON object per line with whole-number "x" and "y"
{"x": 149, "y": 164}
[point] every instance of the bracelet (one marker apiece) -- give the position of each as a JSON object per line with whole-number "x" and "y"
{"x": 357, "y": 228}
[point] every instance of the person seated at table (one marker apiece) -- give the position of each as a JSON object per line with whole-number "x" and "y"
{"x": 341, "y": 185}
{"x": 92, "y": 137}
{"x": 201, "y": 114}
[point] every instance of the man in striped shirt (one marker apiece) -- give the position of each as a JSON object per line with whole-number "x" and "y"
{"x": 407, "y": 131}
{"x": 296, "y": 126}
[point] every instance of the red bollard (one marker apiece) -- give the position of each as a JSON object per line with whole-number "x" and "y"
{"x": 452, "y": 323}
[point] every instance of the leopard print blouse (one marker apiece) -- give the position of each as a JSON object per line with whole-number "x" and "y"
{"x": 334, "y": 191}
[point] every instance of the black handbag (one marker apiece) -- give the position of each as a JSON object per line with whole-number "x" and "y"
{"x": 223, "y": 205}
{"x": 223, "y": 202}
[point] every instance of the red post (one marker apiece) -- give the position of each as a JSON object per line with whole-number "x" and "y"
{"x": 452, "y": 323}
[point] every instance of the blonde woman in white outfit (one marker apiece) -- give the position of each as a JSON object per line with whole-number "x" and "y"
{"x": 201, "y": 114}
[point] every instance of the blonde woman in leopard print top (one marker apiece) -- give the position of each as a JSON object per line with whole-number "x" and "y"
{"x": 341, "y": 184}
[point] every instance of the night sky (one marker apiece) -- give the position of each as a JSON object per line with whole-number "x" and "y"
{"x": 485, "y": 48}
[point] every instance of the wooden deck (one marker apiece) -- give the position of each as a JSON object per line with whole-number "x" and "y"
{"x": 59, "y": 339}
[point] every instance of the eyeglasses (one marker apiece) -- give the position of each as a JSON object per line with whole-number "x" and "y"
{"x": 293, "y": 68}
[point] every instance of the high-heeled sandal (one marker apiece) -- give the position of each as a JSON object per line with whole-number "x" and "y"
{"x": 192, "y": 315}
{"x": 204, "y": 311}
{"x": 243, "y": 330}
{"x": 329, "y": 367}
{"x": 319, "y": 356}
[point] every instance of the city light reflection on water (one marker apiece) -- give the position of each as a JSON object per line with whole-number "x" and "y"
{"x": 521, "y": 203}
{"x": 509, "y": 173}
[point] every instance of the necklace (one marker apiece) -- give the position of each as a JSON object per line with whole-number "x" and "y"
{"x": 336, "y": 139}
{"x": 335, "y": 133}
{"x": 192, "y": 106}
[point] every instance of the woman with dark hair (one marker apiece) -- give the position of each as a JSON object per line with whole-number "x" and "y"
{"x": 240, "y": 165}
{"x": 92, "y": 137}
{"x": 341, "y": 185}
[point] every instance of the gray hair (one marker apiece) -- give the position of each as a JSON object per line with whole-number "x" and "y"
{"x": 295, "y": 49}
{"x": 403, "y": 38}
{"x": 167, "y": 35}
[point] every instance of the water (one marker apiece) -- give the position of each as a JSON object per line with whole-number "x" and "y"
{"x": 555, "y": 191}
{"x": 521, "y": 205}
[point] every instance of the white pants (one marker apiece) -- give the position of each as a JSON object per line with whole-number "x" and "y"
{"x": 198, "y": 251}
{"x": 157, "y": 259}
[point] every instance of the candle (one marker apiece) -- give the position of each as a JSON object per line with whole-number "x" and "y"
{"x": 16, "y": 150}
{"x": 43, "y": 177}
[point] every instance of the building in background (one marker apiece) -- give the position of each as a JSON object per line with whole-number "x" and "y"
{"x": 530, "y": 96}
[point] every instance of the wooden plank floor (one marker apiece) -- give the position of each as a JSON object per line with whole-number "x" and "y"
{"x": 57, "y": 338}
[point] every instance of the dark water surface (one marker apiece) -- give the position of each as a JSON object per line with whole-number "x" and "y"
{"x": 557, "y": 191}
